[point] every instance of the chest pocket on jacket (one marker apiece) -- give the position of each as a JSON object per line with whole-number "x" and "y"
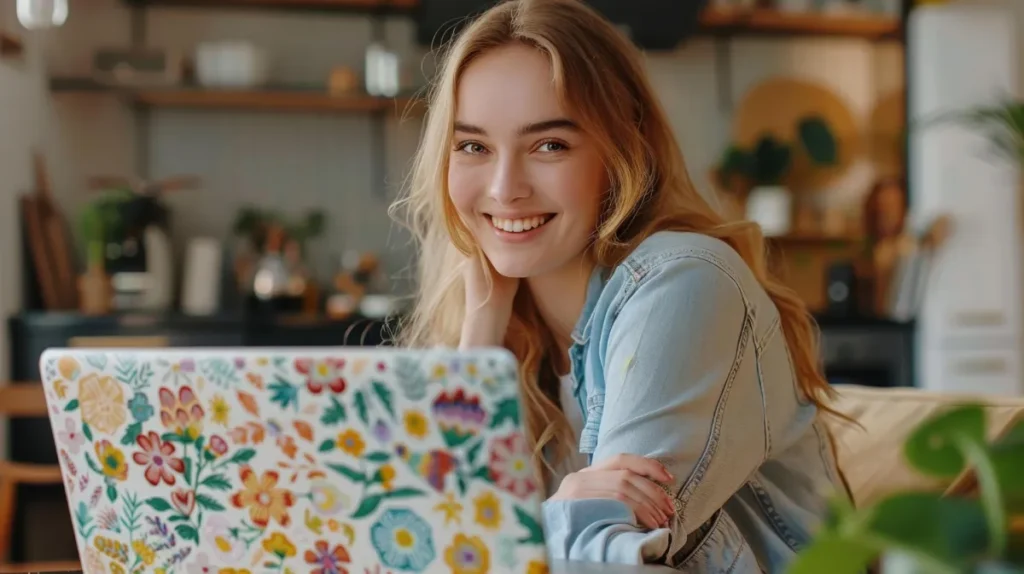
{"x": 588, "y": 437}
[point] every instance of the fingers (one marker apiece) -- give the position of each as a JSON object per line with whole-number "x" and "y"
{"x": 654, "y": 493}
{"x": 640, "y": 465}
{"x": 647, "y": 498}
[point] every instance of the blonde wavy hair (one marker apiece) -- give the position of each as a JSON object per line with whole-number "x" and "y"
{"x": 600, "y": 76}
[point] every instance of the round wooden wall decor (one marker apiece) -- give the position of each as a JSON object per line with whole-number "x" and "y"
{"x": 776, "y": 106}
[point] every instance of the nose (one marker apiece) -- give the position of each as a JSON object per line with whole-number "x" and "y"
{"x": 509, "y": 183}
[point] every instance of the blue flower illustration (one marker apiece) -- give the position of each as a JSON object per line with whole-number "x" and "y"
{"x": 140, "y": 407}
{"x": 402, "y": 539}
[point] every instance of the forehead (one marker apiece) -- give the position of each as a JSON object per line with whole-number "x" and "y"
{"x": 506, "y": 88}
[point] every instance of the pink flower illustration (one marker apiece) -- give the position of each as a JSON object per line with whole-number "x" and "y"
{"x": 71, "y": 436}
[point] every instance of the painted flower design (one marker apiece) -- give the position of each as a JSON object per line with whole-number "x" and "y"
{"x": 220, "y": 410}
{"x": 467, "y": 555}
{"x": 279, "y": 545}
{"x": 182, "y": 414}
{"x": 93, "y": 563}
{"x": 381, "y": 431}
{"x": 227, "y": 548}
{"x": 111, "y": 460}
{"x": 402, "y": 540}
{"x": 537, "y": 567}
{"x": 101, "y": 399}
{"x": 69, "y": 368}
{"x": 510, "y": 465}
{"x": 71, "y": 437}
{"x": 327, "y": 559}
{"x": 184, "y": 501}
{"x": 328, "y": 499}
{"x": 264, "y": 500}
{"x": 487, "y": 510}
{"x": 201, "y": 565}
{"x": 322, "y": 373}
{"x": 352, "y": 442}
{"x": 459, "y": 416}
{"x": 140, "y": 408}
{"x": 387, "y": 476}
{"x": 416, "y": 424}
{"x": 217, "y": 446}
{"x": 157, "y": 456}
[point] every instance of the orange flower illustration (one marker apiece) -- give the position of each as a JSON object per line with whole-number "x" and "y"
{"x": 264, "y": 500}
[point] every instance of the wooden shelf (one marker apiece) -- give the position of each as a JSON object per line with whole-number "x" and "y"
{"x": 772, "y": 22}
{"x": 281, "y": 99}
{"x": 806, "y": 240}
{"x": 324, "y": 5}
{"x": 10, "y": 45}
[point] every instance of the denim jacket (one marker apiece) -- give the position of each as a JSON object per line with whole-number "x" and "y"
{"x": 679, "y": 356}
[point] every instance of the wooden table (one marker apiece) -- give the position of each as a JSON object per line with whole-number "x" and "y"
{"x": 557, "y": 567}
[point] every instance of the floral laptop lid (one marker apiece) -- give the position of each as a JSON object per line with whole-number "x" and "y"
{"x": 341, "y": 460}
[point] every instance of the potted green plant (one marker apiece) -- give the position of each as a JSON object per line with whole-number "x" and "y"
{"x": 1002, "y": 124}
{"x": 930, "y": 532}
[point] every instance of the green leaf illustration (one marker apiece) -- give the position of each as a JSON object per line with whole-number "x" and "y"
{"x": 111, "y": 491}
{"x": 506, "y": 409}
{"x": 72, "y": 405}
{"x": 284, "y": 393}
{"x": 216, "y": 482}
{"x": 131, "y": 433}
{"x": 384, "y": 394}
{"x": 334, "y": 414}
{"x": 378, "y": 457}
{"x": 158, "y": 504}
{"x": 536, "y": 534}
{"x": 404, "y": 493}
{"x": 360, "y": 403}
{"x": 483, "y": 473}
{"x": 187, "y": 532}
{"x": 328, "y": 445}
{"x": 369, "y": 504}
{"x": 92, "y": 464}
{"x": 87, "y": 432}
{"x": 474, "y": 452}
{"x": 207, "y": 503}
{"x": 353, "y": 475}
{"x": 188, "y": 470}
{"x": 242, "y": 456}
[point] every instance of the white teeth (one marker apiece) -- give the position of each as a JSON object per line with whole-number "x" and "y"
{"x": 519, "y": 225}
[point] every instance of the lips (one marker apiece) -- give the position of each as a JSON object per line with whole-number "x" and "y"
{"x": 519, "y": 225}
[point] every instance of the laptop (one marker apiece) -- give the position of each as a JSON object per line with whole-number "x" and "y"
{"x": 295, "y": 460}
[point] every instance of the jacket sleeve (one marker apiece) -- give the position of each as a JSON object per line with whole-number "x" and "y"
{"x": 682, "y": 387}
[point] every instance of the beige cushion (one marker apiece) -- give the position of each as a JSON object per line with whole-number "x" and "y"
{"x": 871, "y": 458}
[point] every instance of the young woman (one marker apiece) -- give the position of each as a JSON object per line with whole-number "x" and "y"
{"x": 670, "y": 384}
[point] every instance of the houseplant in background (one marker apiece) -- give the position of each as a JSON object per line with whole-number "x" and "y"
{"x": 1002, "y": 124}
{"x": 756, "y": 177}
{"x": 961, "y": 532}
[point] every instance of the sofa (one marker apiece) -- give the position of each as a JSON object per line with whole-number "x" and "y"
{"x": 870, "y": 455}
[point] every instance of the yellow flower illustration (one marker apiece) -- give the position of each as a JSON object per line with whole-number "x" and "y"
{"x": 144, "y": 552}
{"x": 536, "y": 567}
{"x": 111, "y": 460}
{"x": 451, "y": 509}
{"x": 467, "y": 555}
{"x": 351, "y": 442}
{"x": 102, "y": 402}
{"x": 220, "y": 409}
{"x": 279, "y": 545}
{"x": 439, "y": 372}
{"x": 387, "y": 475}
{"x": 488, "y": 510}
{"x": 116, "y": 568}
{"x": 416, "y": 424}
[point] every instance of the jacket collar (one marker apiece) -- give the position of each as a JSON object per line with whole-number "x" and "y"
{"x": 581, "y": 333}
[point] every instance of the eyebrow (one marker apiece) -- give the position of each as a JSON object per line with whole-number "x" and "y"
{"x": 534, "y": 128}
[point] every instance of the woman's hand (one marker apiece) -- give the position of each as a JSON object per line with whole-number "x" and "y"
{"x": 488, "y": 307}
{"x": 629, "y": 478}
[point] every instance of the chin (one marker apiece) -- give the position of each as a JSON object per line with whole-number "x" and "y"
{"x": 519, "y": 266}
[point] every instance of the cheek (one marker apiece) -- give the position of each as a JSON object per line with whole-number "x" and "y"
{"x": 463, "y": 189}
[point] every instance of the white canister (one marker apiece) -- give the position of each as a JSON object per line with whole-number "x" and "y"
{"x": 771, "y": 207}
{"x": 230, "y": 64}
{"x": 200, "y": 293}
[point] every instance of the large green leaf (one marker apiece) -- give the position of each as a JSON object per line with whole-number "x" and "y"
{"x": 954, "y": 531}
{"x": 818, "y": 141}
{"x": 835, "y": 555}
{"x": 934, "y": 449}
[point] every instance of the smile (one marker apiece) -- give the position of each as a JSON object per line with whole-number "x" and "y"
{"x": 519, "y": 225}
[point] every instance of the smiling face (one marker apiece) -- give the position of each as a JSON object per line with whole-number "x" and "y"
{"x": 524, "y": 177}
